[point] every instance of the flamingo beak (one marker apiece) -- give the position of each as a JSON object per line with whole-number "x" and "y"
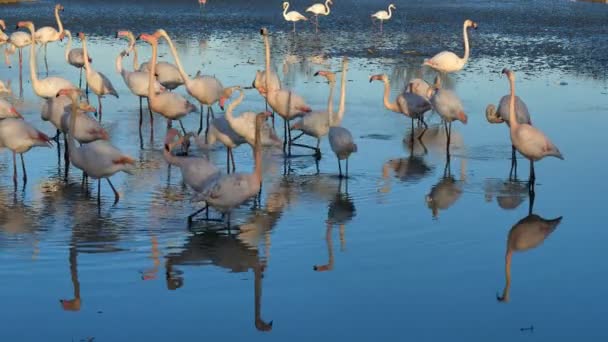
{"x": 16, "y": 113}
{"x": 462, "y": 117}
{"x": 222, "y": 102}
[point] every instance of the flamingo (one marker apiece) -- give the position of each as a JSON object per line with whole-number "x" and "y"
{"x": 170, "y": 105}
{"x": 230, "y": 191}
{"x": 97, "y": 81}
{"x": 5, "y": 88}
{"x": 319, "y": 9}
{"x": 293, "y": 16}
{"x": 528, "y": 140}
{"x": 196, "y": 172}
{"x": 419, "y": 87}
{"x": 447, "y": 61}
{"x": 98, "y": 159}
{"x": 167, "y": 74}
{"x": 48, "y": 34}
{"x": 18, "y": 40}
{"x": 46, "y": 87}
{"x": 57, "y": 111}
{"x": 407, "y": 103}
{"x": 7, "y": 110}
{"x": 131, "y": 48}
{"x": 75, "y": 57}
{"x": 206, "y": 89}
{"x": 316, "y": 124}
{"x": 447, "y": 104}
{"x": 220, "y": 130}
{"x": 384, "y": 15}
{"x": 501, "y": 115}
{"x": 340, "y": 138}
{"x": 19, "y": 137}
{"x": 260, "y": 83}
{"x": 3, "y": 36}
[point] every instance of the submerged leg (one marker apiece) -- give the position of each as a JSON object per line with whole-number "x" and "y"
{"x": 100, "y": 110}
{"x": 339, "y": 168}
{"x": 182, "y": 126}
{"x": 116, "y": 195}
{"x": 232, "y": 158}
{"x": 99, "y": 192}
{"x": 15, "y": 168}
{"x": 151, "y": 121}
{"x": 23, "y": 168}
{"x": 228, "y": 160}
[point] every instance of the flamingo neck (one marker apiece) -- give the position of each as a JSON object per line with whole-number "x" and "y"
{"x": 267, "y": 59}
{"x": 71, "y": 141}
{"x": 177, "y": 60}
{"x": 33, "y": 74}
{"x": 341, "y": 107}
{"x": 512, "y": 119}
{"x": 257, "y": 152}
{"x": 59, "y": 24}
{"x": 68, "y": 47}
{"x": 330, "y": 101}
{"x": 135, "y": 61}
{"x": 170, "y": 158}
{"x": 118, "y": 64}
{"x": 231, "y": 106}
{"x": 285, "y": 11}
{"x": 327, "y": 9}
{"x": 465, "y": 36}
{"x": 390, "y": 13}
{"x": 387, "y": 90}
{"x": 85, "y": 52}
{"x": 505, "y": 292}
{"x": 152, "y": 71}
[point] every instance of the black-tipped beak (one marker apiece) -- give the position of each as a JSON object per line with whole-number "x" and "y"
{"x": 316, "y": 74}
{"x": 138, "y": 37}
{"x": 16, "y": 27}
{"x": 504, "y": 71}
{"x": 253, "y": 83}
{"x": 222, "y": 107}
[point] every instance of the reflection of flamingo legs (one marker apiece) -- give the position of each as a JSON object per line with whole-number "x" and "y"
{"x": 330, "y": 252}
{"x": 73, "y": 304}
{"x": 259, "y": 322}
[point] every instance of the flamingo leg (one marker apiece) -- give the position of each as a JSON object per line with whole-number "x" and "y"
{"x": 532, "y": 175}
{"x": 228, "y": 160}
{"x": 46, "y": 64}
{"x": 141, "y": 114}
{"x": 346, "y": 167}
{"x": 200, "y": 125}
{"x": 182, "y": 126}
{"x": 23, "y": 167}
{"x": 80, "y": 79}
{"x": 284, "y": 136}
{"x": 99, "y": 102}
{"x": 151, "y": 120}
{"x": 232, "y": 158}
{"x": 191, "y": 216}
{"x": 15, "y": 169}
{"x": 66, "y": 154}
{"x": 99, "y": 192}
{"x": 381, "y": 25}
{"x": 116, "y": 195}
{"x": 339, "y": 168}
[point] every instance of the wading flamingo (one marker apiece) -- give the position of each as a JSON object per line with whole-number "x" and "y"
{"x": 340, "y": 138}
{"x": 501, "y": 115}
{"x": 260, "y": 83}
{"x": 167, "y": 74}
{"x": 319, "y": 9}
{"x": 7, "y": 110}
{"x": 18, "y": 40}
{"x": 98, "y": 159}
{"x": 447, "y": 104}
{"x": 170, "y": 105}
{"x": 230, "y": 191}
{"x": 48, "y": 34}
{"x": 528, "y": 140}
{"x": 447, "y": 61}
{"x": 19, "y": 137}
{"x": 75, "y": 57}
{"x": 46, "y": 87}
{"x": 293, "y": 16}
{"x": 384, "y": 15}
{"x": 97, "y": 81}
{"x": 206, "y": 89}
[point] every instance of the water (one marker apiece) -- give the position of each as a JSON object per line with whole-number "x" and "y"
{"x": 393, "y": 264}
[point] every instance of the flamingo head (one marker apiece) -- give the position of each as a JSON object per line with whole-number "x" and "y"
{"x": 61, "y": 36}
{"x": 330, "y": 76}
{"x": 170, "y": 138}
{"x": 285, "y": 4}
{"x": 70, "y": 92}
{"x": 59, "y": 7}
{"x": 380, "y": 77}
{"x": 470, "y": 23}
{"x": 264, "y": 31}
{"x": 226, "y": 94}
{"x": 3, "y": 25}
{"x": 510, "y": 74}
{"x": 25, "y": 24}
{"x": 160, "y": 33}
{"x": 99, "y": 133}
{"x": 148, "y": 38}
{"x": 86, "y": 107}
{"x": 15, "y": 113}
{"x": 81, "y": 35}
{"x": 70, "y": 304}
{"x": 392, "y": 6}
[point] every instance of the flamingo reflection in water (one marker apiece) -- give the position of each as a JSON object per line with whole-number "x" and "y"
{"x": 448, "y": 190}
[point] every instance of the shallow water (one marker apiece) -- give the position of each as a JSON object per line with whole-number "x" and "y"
{"x": 393, "y": 266}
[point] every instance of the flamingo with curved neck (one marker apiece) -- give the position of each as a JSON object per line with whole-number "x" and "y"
{"x": 75, "y": 57}
{"x": 319, "y": 9}
{"x": 447, "y": 61}
{"x": 293, "y": 16}
{"x": 340, "y": 139}
{"x": 384, "y": 15}
{"x": 48, "y": 34}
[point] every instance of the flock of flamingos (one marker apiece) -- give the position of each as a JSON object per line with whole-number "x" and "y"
{"x": 155, "y": 82}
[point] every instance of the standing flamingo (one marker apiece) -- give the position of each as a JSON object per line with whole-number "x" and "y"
{"x": 97, "y": 81}
{"x": 19, "y": 137}
{"x": 98, "y": 159}
{"x": 75, "y": 57}
{"x": 449, "y": 107}
{"x": 230, "y": 191}
{"x": 319, "y": 9}
{"x": 384, "y": 15}
{"x": 170, "y": 105}
{"x": 48, "y": 34}
{"x": 3, "y": 36}
{"x": 528, "y": 140}
{"x": 447, "y": 61}
{"x": 18, "y": 40}
{"x": 206, "y": 89}
{"x": 7, "y": 110}
{"x": 260, "y": 82}
{"x": 501, "y": 115}
{"x": 340, "y": 138}
{"x": 46, "y": 87}
{"x": 293, "y": 16}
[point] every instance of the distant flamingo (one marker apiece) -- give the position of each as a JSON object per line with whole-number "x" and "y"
{"x": 46, "y": 87}
{"x": 384, "y": 15}
{"x": 230, "y": 191}
{"x": 340, "y": 138}
{"x": 48, "y": 34}
{"x": 528, "y": 140}
{"x": 7, "y": 110}
{"x": 502, "y": 115}
{"x": 170, "y": 105}
{"x": 319, "y": 9}
{"x": 447, "y": 61}
{"x": 292, "y": 16}
{"x": 3, "y": 36}
{"x": 19, "y": 137}
{"x": 447, "y": 104}
{"x": 75, "y": 57}
{"x": 98, "y": 159}
{"x": 206, "y": 89}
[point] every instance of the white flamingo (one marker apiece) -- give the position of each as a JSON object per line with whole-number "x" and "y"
{"x": 384, "y": 15}
{"x": 98, "y": 159}
{"x": 230, "y": 191}
{"x": 7, "y": 110}
{"x": 167, "y": 74}
{"x": 293, "y": 16}
{"x": 19, "y": 137}
{"x": 527, "y": 139}
{"x": 206, "y": 89}
{"x": 3, "y": 36}
{"x": 97, "y": 81}
{"x": 46, "y": 87}
{"x": 340, "y": 138}
{"x": 447, "y": 61}
{"x": 260, "y": 83}
{"x": 319, "y": 9}
{"x": 17, "y": 40}
{"x": 447, "y": 104}
{"x": 170, "y": 105}
{"x": 48, "y": 34}
{"x": 5, "y": 88}
{"x": 75, "y": 57}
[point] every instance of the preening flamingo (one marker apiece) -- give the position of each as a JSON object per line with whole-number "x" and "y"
{"x": 7, "y": 110}
{"x": 75, "y": 57}
{"x": 98, "y": 159}
{"x": 447, "y": 61}
{"x": 340, "y": 138}
{"x": 502, "y": 115}
{"x": 46, "y": 87}
{"x": 97, "y": 81}
{"x": 206, "y": 89}
{"x": 170, "y": 105}
{"x": 230, "y": 191}
{"x": 48, "y": 34}
{"x": 447, "y": 104}
{"x": 319, "y": 9}
{"x": 19, "y": 137}
{"x": 293, "y": 16}
{"x": 384, "y": 15}
{"x": 527, "y": 139}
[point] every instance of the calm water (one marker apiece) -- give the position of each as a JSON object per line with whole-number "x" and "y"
{"x": 394, "y": 267}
